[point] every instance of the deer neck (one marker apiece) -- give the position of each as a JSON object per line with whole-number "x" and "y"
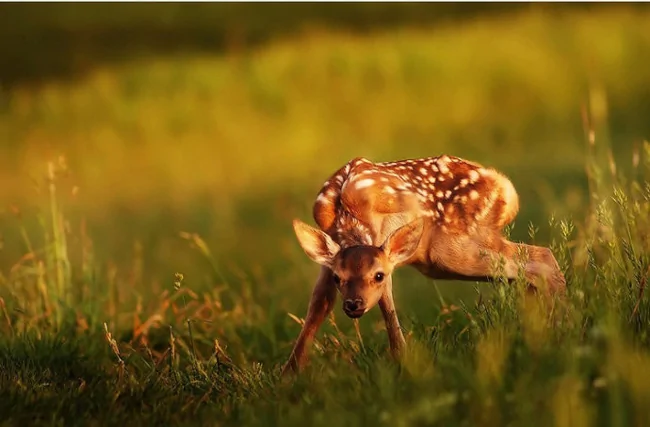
{"x": 349, "y": 231}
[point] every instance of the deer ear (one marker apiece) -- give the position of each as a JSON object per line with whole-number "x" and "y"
{"x": 317, "y": 245}
{"x": 402, "y": 243}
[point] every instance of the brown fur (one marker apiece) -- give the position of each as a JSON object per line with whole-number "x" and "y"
{"x": 442, "y": 215}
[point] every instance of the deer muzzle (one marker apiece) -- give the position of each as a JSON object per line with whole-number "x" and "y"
{"x": 354, "y": 308}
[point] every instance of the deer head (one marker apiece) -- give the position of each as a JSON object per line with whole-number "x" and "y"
{"x": 361, "y": 273}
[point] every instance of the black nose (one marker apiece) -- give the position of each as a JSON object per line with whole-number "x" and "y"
{"x": 353, "y": 305}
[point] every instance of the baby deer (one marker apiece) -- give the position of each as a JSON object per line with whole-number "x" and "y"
{"x": 442, "y": 215}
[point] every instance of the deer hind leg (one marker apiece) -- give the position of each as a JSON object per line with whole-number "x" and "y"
{"x": 541, "y": 267}
{"x": 320, "y": 306}
{"x": 469, "y": 259}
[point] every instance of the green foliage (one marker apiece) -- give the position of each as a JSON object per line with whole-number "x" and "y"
{"x": 72, "y": 39}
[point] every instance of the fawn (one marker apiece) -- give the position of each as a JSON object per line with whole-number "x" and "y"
{"x": 442, "y": 215}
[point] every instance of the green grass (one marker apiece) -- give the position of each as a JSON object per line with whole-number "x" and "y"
{"x": 196, "y": 164}
{"x": 502, "y": 360}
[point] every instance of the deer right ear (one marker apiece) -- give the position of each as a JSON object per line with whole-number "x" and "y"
{"x": 317, "y": 245}
{"x": 404, "y": 241}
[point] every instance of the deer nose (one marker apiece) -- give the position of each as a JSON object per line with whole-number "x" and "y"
{"x": 353, "y": 307}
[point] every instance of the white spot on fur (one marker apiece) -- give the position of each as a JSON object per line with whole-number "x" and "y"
{"x": 322, "y": 198}
{"x": 367, "y": 182}
{"x": 473, "y": 175}
{"x": 442, "y": 164}
{"x": 473, "y": 194}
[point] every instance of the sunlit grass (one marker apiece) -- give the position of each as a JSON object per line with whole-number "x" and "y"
{"x": 507, "y": 358}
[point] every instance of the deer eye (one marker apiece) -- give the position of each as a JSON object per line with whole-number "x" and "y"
{"x": 337, "y": 279}
{"x": 379, "y": 277}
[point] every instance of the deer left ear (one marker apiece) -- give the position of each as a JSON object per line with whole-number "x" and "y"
{"x": 317, "y": 245}
{"x": 403, "y": 242}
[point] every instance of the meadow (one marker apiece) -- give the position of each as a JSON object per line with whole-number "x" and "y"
{"x": 149, "y": 273}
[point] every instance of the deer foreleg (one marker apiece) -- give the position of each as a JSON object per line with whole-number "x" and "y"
{"x": 393, "y": 328}
{"x": 321, "y": 304}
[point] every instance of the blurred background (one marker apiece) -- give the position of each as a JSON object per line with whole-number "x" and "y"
{"x": 224, "y": 120}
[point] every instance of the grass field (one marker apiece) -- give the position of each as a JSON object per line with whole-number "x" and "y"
{"x": 114, "y": 182}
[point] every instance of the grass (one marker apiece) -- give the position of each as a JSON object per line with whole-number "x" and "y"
{"x": 505, "y": 359}
{"x": 150, "y": 276}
